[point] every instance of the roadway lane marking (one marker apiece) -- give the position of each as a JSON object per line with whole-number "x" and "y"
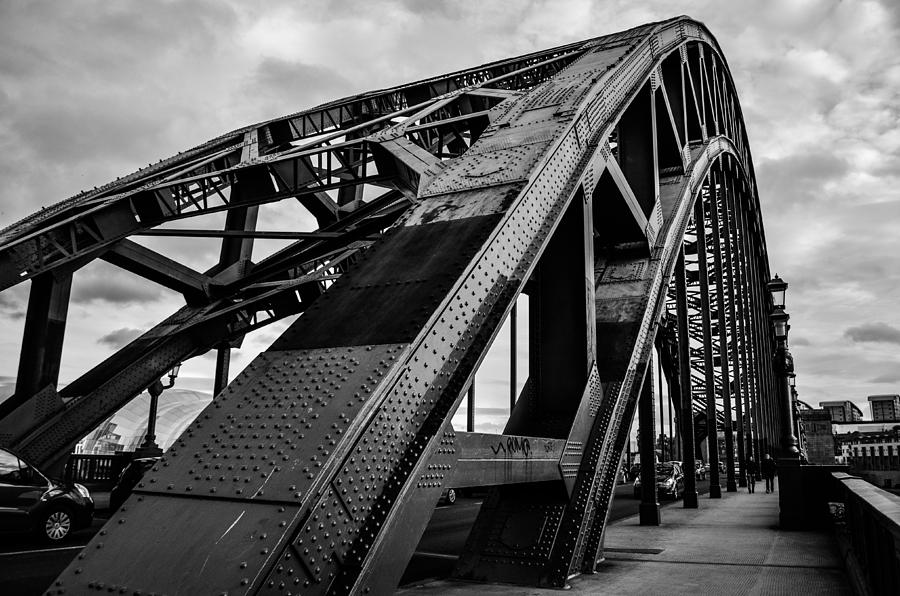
{"x": 460, "y": 505}
{"x": 423, "y": 553}
{"x": 41, "y": 550}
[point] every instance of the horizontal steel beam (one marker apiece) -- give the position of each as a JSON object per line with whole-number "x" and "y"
{"x": 273, "y": 235}
{"x": 488, "y": 459}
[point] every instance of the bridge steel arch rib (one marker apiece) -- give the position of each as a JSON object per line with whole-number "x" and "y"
{"x": 317, "y": 468}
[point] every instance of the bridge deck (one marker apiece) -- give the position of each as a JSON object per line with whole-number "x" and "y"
{"x": 728, "y": 546}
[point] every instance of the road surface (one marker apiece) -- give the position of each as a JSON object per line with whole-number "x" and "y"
{"x": 29, "y": 567}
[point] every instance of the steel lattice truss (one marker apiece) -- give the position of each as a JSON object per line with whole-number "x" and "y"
{"x": 577, "y": 175}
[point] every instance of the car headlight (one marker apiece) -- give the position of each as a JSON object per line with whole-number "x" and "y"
{"x": 82, "y": 491}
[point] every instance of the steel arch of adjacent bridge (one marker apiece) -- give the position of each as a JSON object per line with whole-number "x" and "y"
{"x": 609, "y": 180}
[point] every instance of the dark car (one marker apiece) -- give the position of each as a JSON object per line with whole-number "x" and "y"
{"x": 31, "y": 502}
{"x": 669, "y": 481}
{"x": 128, "y": 479}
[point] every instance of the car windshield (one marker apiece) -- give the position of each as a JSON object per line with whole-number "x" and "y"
{"x": 664, "y": 469}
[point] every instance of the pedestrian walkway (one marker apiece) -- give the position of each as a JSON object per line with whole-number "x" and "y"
{"x": 728, "y": 546}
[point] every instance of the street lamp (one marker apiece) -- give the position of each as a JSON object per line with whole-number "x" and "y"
{"x": 149, "y": 448}
{"x": 780, "y": 323}
{"x": 784, "y": 364}
{"x": 795, "y": 410}
{"x": 173, "y": 373}
{"x": 777, "y": 289}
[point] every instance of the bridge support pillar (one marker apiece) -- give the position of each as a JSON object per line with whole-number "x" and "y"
{"x": 734, "y": 316}
{"x": 716, "y": 192}
{"x": 649, "y": 508}
{"x": 42, "y": 339}
{"x": 683, "y": 386}
{"x": 712, "y": 434}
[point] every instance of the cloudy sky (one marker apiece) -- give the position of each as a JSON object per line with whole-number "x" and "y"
{"x": 93, "y": 90}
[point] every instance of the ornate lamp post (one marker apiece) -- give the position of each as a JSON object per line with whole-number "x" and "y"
{"x": 799, "y": 430}
{"x": 784, "y": 365}
{"x": 149, "y": 448}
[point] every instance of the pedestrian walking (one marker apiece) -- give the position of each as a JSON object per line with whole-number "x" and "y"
{"x": 768, "y": 472}
{"x": 752, "y": 471}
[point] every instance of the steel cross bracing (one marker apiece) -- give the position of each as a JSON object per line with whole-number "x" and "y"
{"x": 310, "y": 159}
{"x": 570, "y": 175}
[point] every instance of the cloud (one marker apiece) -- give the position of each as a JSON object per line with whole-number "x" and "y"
{"x": 91, "y": 90}
{"x": 13, "y": 302}
{"x": 100, "y": 283}
{"x": 117, "y": 290}
{"x": 120, "y": 337}
{"x": 873, "y": 332}
{"x": 286, "y": 86}
{"x": 802, "y": 176}
{"x": 889, "y": 377}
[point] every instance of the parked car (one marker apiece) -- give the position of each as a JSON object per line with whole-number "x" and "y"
{"x": 669, "y": 481}
{"x": 128, "y": 479}
{"x": 31, "y": 502}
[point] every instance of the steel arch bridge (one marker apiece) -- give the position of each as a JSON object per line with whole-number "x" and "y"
{"x": 609, "y": 180}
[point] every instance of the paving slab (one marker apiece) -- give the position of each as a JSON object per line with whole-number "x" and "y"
{"x": 730, "y": 546}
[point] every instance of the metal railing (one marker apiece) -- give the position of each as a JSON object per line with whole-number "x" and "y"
{"x": 96, "y": 469}
{"x": 870, "y": 526}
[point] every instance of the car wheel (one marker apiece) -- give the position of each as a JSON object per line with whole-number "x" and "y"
{"x": 451, "y": 496}
{"x": 56, "y": 525}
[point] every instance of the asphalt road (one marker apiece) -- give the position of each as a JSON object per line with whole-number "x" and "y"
{"x": 29, "y": 567}
{"x": 446, "y": 535}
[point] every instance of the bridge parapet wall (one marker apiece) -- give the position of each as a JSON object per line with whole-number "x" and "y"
{"x": 868, "y": 532}
{"x": 865, "y": 519}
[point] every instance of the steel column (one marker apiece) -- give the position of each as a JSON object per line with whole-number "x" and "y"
{"x": 664, "y": 439}
{"x": 752, "y": 353}
{"x": 713, "y": 201}
{"x": 686, "y": 415}
{"x": 739, "y": 329}
{"x": 470, "y": 407}
{"x": 42, "y": 336}
{"x": 739, "y": 393}
{"x": 712, "y": 437}
{"x": 755, "y": 344}
{"x": 649, "y": 507}
{"x": 764, "y": 339}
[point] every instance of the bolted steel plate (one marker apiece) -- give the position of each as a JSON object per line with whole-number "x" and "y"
{"x": 253, "y": 441}
{"x": 221, "y": 549}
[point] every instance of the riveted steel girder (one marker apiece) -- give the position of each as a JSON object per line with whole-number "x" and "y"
{"x": 572, "y": 173}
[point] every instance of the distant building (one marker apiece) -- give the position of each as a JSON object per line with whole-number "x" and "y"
{"x": 125, "y": 430}
{"x": 818, "y": 439}
{"x": 842, "y": 411}
{"x": 885, "y": 407}
{"x": 874, "y": 455}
